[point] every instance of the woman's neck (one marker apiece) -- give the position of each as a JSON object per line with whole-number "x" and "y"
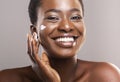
{"x": 65, "y": 67}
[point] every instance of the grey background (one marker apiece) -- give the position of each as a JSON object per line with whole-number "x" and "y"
{"x": 102, "y": 18}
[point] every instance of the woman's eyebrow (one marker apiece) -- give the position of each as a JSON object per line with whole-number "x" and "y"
{"x": 58, "y": 11}
{"x": 75, "y": 9}
{"x": 53, "y": 10}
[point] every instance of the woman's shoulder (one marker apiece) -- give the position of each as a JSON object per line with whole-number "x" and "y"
{"x": 101, "y": 71}
{"x": 23, "y": 74}
{"x": 105, "y": 72}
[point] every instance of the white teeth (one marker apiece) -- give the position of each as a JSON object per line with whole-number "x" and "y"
{"x": 65, "y": 39}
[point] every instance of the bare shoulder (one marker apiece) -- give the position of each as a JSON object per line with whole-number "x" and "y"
{"x": 104, "y": 72}
{"x": 24, "y": 74}
{"x": 97, "y": 72}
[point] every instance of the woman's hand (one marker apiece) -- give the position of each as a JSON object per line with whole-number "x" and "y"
{"x": 41, "y": 64}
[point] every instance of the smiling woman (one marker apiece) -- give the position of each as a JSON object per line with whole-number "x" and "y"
{"x": 58, "y": 26}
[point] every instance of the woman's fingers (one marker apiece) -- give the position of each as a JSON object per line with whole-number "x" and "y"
{"x": 33, "y": 51}
{"x": 35, "y": 45}
{"x": 45, "y": 58}
{"x": 29, "y": 40}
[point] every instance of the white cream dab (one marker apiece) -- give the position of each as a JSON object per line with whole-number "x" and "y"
{"x": 42, "y": 27}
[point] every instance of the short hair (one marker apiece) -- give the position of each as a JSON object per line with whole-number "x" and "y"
{"x": 33, "y": 9}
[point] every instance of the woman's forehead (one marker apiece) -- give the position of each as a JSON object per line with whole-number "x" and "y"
{"x": 60, "y": 4}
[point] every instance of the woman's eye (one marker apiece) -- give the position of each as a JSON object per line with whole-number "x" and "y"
{"x": 76, "y": 18}
{"x": 52, "y": 19}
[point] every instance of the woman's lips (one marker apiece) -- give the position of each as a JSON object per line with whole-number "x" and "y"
{"x": 65, "y": 41}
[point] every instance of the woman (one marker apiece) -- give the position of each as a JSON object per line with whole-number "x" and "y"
{"x": 58, "y": 26}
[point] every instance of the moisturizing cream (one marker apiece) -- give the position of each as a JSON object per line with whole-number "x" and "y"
{"x": 42, "y": 27}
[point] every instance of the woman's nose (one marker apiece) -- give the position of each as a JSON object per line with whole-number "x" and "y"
{"x": 65, "y": 26}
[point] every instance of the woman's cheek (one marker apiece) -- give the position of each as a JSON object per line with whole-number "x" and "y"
{"x": 81, "y": 27}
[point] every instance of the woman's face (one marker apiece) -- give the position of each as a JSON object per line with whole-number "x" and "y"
{"x": 64, "y": 31}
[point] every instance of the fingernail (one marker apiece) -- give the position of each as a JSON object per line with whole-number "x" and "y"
{"x": 35, "y": 36}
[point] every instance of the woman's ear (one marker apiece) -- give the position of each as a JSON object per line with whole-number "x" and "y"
{"x": 33, "y": 29}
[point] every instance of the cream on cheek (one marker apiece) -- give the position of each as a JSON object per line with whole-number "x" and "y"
{"x": 42, "y": 27}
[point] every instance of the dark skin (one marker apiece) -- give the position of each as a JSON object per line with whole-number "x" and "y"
{"x": 59, "y": 63}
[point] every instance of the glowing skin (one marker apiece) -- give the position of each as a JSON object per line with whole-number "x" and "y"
{"x": 67, "y": 26}
{"x": 61, "y": 40}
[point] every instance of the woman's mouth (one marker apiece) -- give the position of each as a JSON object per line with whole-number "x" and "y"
{"x": 65, "y": 41}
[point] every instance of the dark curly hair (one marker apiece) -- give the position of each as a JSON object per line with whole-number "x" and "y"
{"x": 33, "y": 8}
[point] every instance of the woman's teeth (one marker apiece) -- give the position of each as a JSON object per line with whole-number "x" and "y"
{"x": 65, "y": 39}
